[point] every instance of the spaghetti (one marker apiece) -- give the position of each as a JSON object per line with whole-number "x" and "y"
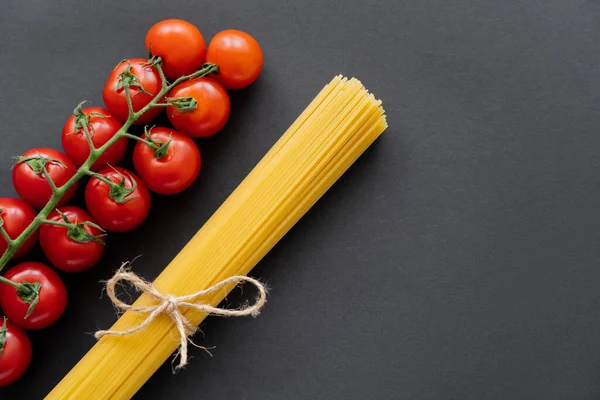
{"x": 337, "y": 126}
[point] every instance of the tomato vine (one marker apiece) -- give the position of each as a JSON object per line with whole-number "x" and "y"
{"x": 29, "y": 291}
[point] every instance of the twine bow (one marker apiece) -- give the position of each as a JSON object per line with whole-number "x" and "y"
{"x": 171, "y": 306}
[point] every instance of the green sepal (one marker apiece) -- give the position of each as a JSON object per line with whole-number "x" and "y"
{"x": 129, "y": 80}
{"x": 119, "y": 192}
{"x": 153, "y": 61}
{"x": 37, "y": 163}
{"x": 30, "y": 294}
{"x": 80, "y": 119}
{"x": 182, "y": 104}
{"x": 76, "y": 231}
{"x": 160, "y": 148}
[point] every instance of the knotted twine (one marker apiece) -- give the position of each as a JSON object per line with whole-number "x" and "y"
{"x": 171, "y": 306}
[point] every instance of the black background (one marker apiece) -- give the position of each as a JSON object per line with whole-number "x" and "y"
{"x": 458, "y": 259}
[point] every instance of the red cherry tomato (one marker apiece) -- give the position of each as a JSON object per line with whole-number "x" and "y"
{"x": 71, "y": 249}
{"x": 30, "y": 182}
{"x": 116, "y": 101}
{"x": 239, "y": 57}
{"x": 127, "y": 210}
{"x": 174, "y": 171}
{"x": 15, "y": 352}
{"x": 102, "y": 126}
{"x": 212, "y": 110}
{"x": 52, "y": 296}
{"x": 16, "y": 216}
{"x": 180, "y": 45}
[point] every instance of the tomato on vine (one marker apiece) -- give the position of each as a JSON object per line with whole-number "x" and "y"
{"x": 15, "y": 217}
{"x": 71, "y": 240}
{"x": 15, "y": 352}
{"x": 169, "y": 162}
{"x": 101, "y": 126}
{"x": 144, "y": 84}
{"x": 211, "y": 112}
{"x": 117, "y": 199}
{"x": 239, "y": 57}
{"x": 180, "y": 45}
{"x": 39, "y": 300}
{"x": 33, "y": 170}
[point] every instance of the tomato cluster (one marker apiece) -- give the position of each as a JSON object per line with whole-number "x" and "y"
{"x": 167, "y": 161}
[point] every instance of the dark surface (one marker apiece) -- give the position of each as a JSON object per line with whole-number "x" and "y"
{"x": 458, "y": 259}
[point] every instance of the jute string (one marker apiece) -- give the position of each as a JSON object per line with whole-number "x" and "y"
{"x": 172, "y": 305}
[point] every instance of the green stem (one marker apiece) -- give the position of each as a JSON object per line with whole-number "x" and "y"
{"x": 9, "y": 241}
{"x": 163, "y": 78}
{"x": 95, "y": 153}
{"x": 129, "y": 104}
{"x": 49, "y": 179}
{"x": 206, "y": 69}
{"x": 9, "y": 282}
{"x": 140, "y": 139}
{"x": 88, "y": 136}
{"x": 101, "y": 178}
{"x": 56, "y": 223}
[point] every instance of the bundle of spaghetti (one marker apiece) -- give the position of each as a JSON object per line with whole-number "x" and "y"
{"x": 333, "y": 131}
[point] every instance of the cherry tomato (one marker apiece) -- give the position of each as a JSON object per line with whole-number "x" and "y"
{"x": 148, "y": 78}
{"x": 16, "y": 216}
{"x": 180, "y": 45}
{"x": 176, "y": 169}
{"x": 30, "y": 182}
{"x": 15, "y": 352}
{"x": 52, "y": 296}
{"x": 121, "y": 208}
{"x": 239, "y": 57}
{"x": 212, "y": 110}
{"x": 72, "y": 249}
{"x": 102, "y": 126}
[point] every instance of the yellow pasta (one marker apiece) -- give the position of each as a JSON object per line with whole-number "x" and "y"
{"x": 337, "y": 126}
